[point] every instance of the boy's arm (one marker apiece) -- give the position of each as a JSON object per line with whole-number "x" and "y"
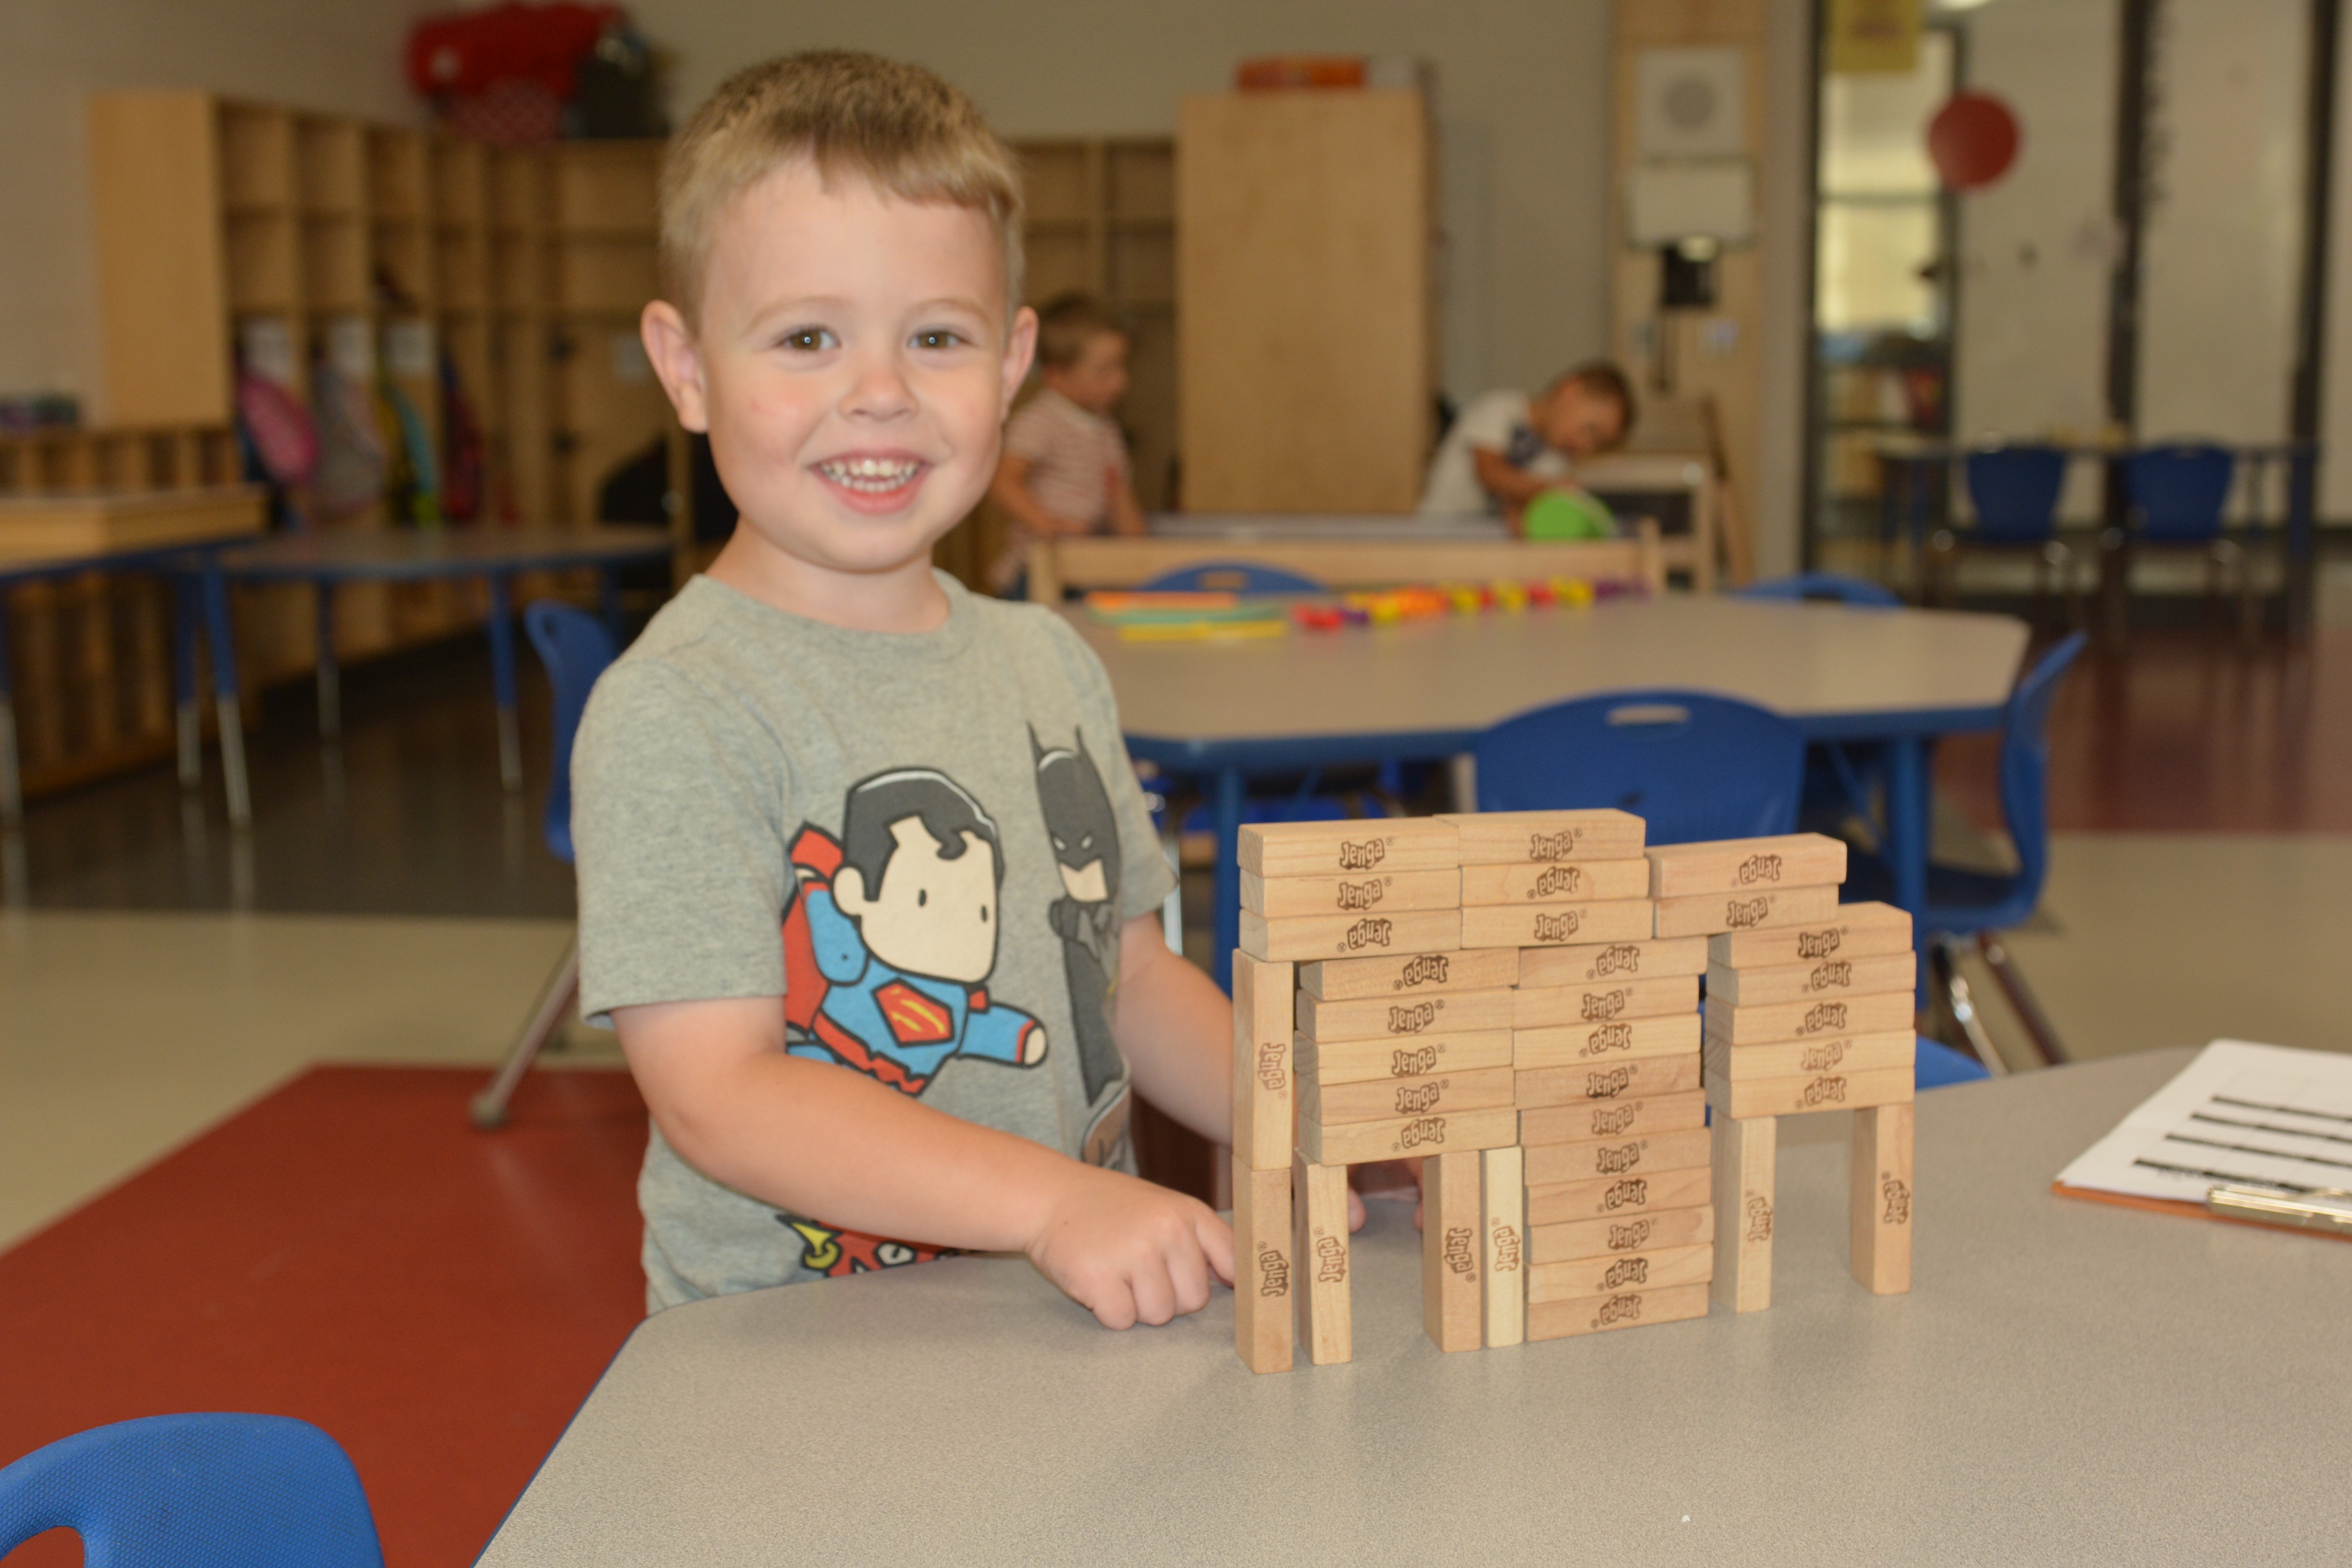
{"x": 1010, "y": 490}
{"x": 822, "y": 1140}
{"x": 1176, "y": 1030}
{"x": 1514, "y": 487}
{"x": 1126, "y": 515}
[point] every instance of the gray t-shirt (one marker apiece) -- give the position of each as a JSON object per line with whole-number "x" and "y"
{"x": 924, "y": 843}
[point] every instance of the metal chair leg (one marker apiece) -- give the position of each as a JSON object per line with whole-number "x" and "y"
{"x": 555, "y": 999}
{"x": 2027, "y": 1006}
{"x": 1946, "y": 964}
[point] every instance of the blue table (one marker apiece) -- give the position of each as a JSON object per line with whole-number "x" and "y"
{"x": 1425, "y": 691}
{"x": 328, "y": 560}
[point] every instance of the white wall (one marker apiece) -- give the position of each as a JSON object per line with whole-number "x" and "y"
{"x": 338, "y": 55}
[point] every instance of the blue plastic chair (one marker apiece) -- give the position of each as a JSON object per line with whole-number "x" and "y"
{"x": 1975, "y": 906}
{"x": 174, "y": 1491}
{"x": 2179, "y": 495}
{"x": 576, "y": 648}
{"x": 1935, "y": 1065}
{"x": 1233, "y": 577}
{"x": 2014, "y": 491}
{"x": 1831, "y": 587}
{"x": 1693, "y": 764}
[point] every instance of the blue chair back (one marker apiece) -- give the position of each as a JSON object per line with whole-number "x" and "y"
{"x": 1936, "y": 1065}
{"x": 2015, "y": 492}
{"x": 2025, "y": 778}
{"x": 1831, "y": 587}
{"x": 576, "y": 648}
{"x": 1233, "y": 577}
{"x": 263, "y": 1491}
{"x": 1693, "y": 764}
{"x": 2179, "y": 492}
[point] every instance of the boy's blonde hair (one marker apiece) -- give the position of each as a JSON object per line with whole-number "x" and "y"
{"x": 898, "y": 127}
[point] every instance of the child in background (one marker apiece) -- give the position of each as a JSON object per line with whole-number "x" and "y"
{"x": 1065, "y": 466}
{"x": 867, "y": 884}
{"x": 1505, "y": 448}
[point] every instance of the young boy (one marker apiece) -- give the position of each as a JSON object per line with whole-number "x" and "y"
{"x": 866, "y": 882}
{"x": 1505, "y": 448}
{"x": 1064, "y": 467}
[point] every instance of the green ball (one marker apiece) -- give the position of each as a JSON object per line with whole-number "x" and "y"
{"x": 1568, "y": 514}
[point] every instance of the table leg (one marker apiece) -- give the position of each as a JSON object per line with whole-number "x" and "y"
{"x": 12, "y": 786}
{"x": 232, "y": 724}
{"x": 331, "y": 674}
{"x": 187, "y": 611}
{"x": 502, "y": 678}
{"x": 1907, "y": 834}
{"x": 1228, "y": 921}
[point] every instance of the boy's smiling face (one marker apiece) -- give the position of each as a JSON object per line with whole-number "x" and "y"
{"x": 853, "y": 364}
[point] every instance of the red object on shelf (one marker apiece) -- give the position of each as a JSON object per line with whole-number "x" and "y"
{"x": 465, "y": 53}
{"x": 1274, "y": 72}
{"x": 1972, "y": 141}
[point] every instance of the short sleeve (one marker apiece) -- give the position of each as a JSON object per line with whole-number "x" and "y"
{"x": 1029, "y": 435}
{"x": 676, "y": 826}
{"x": 1145, "y": 875}
{"x": 1491, "y": 420}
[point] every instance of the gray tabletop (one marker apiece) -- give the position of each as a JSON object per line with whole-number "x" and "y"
{"x": 2066, "y": 1382}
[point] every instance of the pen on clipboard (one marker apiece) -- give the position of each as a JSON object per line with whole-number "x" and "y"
{"x": 2328, "y": 1210}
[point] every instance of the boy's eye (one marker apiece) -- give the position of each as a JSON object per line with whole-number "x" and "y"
{"x": 808, "y": 339}
{"x": 937, "y": 338}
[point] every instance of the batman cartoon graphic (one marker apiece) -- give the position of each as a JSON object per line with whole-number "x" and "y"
{"x": 1084, "y": 834}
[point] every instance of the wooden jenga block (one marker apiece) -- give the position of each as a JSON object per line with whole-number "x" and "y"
{"x": 1587, "y": 1119}
{"x": 1546, "y": 838}
{"x": 1389, "y": 1017}
{"x": 1503, "y": 1229}
{"x": 1608, "y": 1083}
{"x": 1641, "y": 1233}
{"x": 1582, "y": 964}
{"x": 1744, "y": 1155}
{"x": 1808, "y": 1019}
{"x": 1407, "y": 1138}
{"x": 1329, "y": 1062}
{"x": 1303, "y": 937}
{"x": 1802, "y": 1059}
{"x": 1384, "y": 891}
{"x": 1703, "y": 914}
{"x": 1739, "y": 1096}
{"x": 1319, "y": 1274}
{"x": 1554, "y": 925}
{"x": 1610, "y": 1273}
{"x": 1263, "y": 1272}
{"x": 1579, "y": 1045}
{"x": 1600, "y": 1001}
{"x": 1264, "y": 1076}
{"x": 1348, "y": 848}
{"x": 1740, "y": 865}
{"x": 1605, "y": 1197}
{"x": 1586, "y": 1160}
{"x": 1623, "y": 1310}
{"x": 1879, "y": 1216}
{"x": 1411, "y": 974}
{"x": 1853, "y": 930}
{"x": 1449, "y": 1251}
{"x": 1829, "y": 977}
{"x": 1558, "y": 882}
{"x": 1333, "y": 1104}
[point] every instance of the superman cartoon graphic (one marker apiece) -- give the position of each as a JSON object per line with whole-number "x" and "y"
{"x": 891, "y": 935}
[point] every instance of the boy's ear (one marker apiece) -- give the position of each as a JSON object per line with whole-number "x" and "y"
{"x": 670, "y": 343}
{"x": 1020, "y": 349}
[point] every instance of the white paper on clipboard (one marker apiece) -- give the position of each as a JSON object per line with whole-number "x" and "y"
{"x": 2268, "y": 1115}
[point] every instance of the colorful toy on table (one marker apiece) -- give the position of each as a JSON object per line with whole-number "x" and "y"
{"x": 1187, "y": 617}
{"x": 1567, "y": 514}
{"x": 1390, "y": 607}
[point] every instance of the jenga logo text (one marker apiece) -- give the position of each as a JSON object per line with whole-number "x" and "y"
{"x": 1629, "y": 1237}
{"x": 1558, "y": 927}
{"x": 1898, "y": 1199}
{"x": 1822, "y": 1058}
{"x": 1822, "y": 1015}
{"x": 1426, "y": 1129}
{"x": 1331, "y": 1261}
{"x": 1632, "y": 1192}
{"x": 1741, "y": 913}
{"x": 1363, "y": 856}
{"x": 1505, "y": 1241}
{"x": 1412, "y": 1063}
{"x": 1560, "y": 846}
{"x": 1610, "y": 1161}
{"x": 1557, "y": 881}
{"x": 1812, "y": 944}
{"x": 1625, "y": 1308}
{"x": 1608, "y": 1037}
{"x": 1413, "y": 1099}
{"x": 1603, "y": 1004}
{"x": 1362, "y": 895}
{"x": 1413, "y": 1020}
{"x": 1428, "y": 969}
{"x": 1610, "y": 1119}
{"x": 1828, "y": 1090}
{"x": 1462, "y": 1249}
{"x": 1626, "y": 1271}
{"x": 1618, "y": 958}
{"x": 1831, "y": 976}
{"x": 1373, "y": 931}
{"x": 1273, "y": 1272}
{"x": 1608, "y": 1085}
{"x": 1760, "y": 1217}
{"x": 1272, "y": 1072}
{"x": 1759, "y": 869}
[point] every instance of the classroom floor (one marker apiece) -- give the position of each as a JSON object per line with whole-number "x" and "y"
{"x": 398, "y": 911}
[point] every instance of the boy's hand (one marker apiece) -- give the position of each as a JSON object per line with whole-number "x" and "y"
{"x": 1132, "y": 1252}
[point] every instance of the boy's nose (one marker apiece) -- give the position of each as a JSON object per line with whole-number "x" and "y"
{"x": 881, "y": 391}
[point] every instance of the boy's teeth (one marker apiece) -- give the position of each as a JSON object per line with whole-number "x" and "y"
{"x": 869, "y": 473}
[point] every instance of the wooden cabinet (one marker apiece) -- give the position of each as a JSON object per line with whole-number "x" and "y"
{"x": 1308, "y": 340}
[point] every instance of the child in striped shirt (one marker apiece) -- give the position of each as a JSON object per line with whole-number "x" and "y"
{"x": 1064, "y": 467}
